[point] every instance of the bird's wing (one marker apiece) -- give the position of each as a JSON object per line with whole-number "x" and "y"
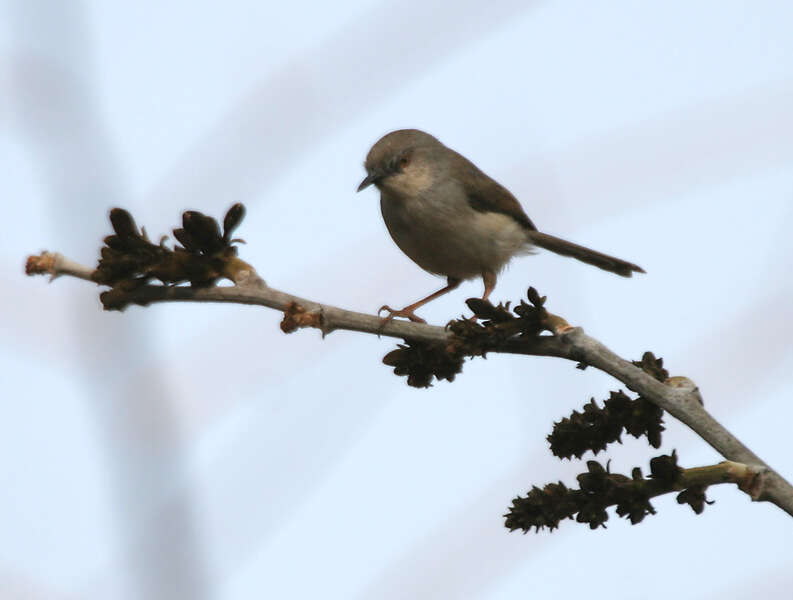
{"x": 487, "y": 195}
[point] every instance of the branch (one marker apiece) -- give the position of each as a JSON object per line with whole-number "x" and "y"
{"x": 130, "y": 262}
{"x": 600, "y": 489}
{"x": 251, "y": 289}
{"x": 55, "y": 265}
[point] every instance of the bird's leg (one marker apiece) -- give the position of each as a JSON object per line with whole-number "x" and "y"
{"x": 407, "y": 312}
{"x": 489, "y": 279}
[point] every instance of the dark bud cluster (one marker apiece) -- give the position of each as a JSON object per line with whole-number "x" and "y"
{"x": 493, "y": 325}
{"x": 653, "y": 366}
{"x": 695, "y": 498}
{"x": 527, "y": 318}
{"x": 598, "y": 490}
{"x": 129, "y": 259}
{"x": 543, "y": 507}
{"x": 200, "y": 235}
{"x": 596, "y": 427}
{"x": 420, "y": 362}
{"x": 664, "y": 469}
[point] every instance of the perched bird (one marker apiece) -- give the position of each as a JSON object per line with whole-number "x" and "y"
{"x": 453, "y": 220}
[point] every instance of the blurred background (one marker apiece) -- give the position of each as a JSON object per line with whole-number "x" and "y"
{"x": 185, "y": 451}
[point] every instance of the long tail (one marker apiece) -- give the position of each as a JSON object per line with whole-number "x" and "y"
{"x": 591, "y": 257}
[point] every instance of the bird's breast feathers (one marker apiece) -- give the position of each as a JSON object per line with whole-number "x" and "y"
{"x": 450, "y": 237}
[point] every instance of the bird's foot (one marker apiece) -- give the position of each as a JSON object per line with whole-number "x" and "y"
{"x": 406, "y": 312}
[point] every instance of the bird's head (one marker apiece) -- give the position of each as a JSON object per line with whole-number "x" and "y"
{"x": 401, "y": 162}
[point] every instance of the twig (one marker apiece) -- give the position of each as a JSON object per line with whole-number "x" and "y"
{"x": 679, "y": 397}
{"x": 600, "y": 489}
{"x": 55, "y": 265}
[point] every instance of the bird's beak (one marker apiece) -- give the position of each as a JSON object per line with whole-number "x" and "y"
{"x": 368, "y": 180}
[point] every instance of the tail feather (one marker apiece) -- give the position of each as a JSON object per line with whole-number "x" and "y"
{"x": 591, "y": 257}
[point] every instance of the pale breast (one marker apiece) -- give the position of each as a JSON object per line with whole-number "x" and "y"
{"x": 449, "y": 237}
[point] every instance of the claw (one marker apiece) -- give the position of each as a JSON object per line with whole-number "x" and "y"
{"x": 407, "y": 314}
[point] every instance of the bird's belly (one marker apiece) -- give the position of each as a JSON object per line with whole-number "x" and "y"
{"x": 454, "y": 241}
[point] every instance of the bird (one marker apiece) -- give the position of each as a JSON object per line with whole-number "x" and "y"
{"x": 455, "y": 221}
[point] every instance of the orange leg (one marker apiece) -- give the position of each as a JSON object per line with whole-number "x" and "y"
{"x": 407, "y": 312}
{"x": 489, "y": 279}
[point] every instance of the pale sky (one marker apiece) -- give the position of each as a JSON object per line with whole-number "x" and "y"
{"x": 186, "y": 451}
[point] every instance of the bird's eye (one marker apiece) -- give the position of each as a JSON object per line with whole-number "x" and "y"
{"x": 404, "y": 162}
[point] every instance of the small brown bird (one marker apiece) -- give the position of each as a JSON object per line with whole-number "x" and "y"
{"x": 453, "y": 220}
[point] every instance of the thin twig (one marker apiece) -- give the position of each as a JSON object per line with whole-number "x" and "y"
{"x": 599, "y": 489}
